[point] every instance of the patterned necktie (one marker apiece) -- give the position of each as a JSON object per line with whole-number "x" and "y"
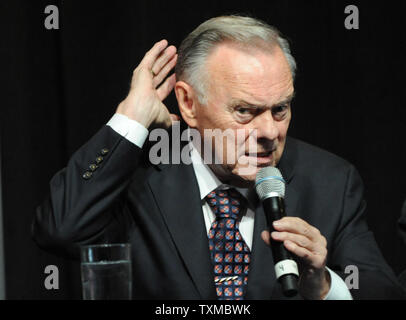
{"x": 229, "y": 252}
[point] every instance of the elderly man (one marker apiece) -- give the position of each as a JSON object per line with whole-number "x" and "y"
{"x": 233, "y": 73}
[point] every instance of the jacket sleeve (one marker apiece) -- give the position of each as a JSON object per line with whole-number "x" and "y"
{"x": 85, "y": 199}
{"x": 355, "y": 255}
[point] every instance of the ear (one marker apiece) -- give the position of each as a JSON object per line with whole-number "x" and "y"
{"x": 187, "y": 101}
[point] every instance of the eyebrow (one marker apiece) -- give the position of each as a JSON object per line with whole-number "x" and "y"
{"x": 243, "y": 103}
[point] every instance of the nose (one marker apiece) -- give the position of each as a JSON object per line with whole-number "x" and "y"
{"x": 266, "y": 126}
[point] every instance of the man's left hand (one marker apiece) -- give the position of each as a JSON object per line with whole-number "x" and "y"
{"x": 310, "y": 246}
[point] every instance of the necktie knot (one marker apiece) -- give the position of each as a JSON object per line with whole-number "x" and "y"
{"x": 225, "y": 203}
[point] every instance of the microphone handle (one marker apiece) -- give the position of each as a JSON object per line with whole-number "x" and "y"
{"x": 285, "y": 267}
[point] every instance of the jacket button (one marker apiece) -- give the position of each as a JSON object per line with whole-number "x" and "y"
{"x": 87, "y": 175}
{"x": 99, "y": 159}
{"x": 93, "y": 167}
{"x": 104, "y": 151}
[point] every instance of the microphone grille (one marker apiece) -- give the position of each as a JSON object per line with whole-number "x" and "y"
{"x": 269, "y": 179}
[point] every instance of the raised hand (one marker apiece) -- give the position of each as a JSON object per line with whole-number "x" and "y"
{"x": 144, "y": 100}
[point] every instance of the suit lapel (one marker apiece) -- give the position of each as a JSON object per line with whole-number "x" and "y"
{"x": 177, "y": 194}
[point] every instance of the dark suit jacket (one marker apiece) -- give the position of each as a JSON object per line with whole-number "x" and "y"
{"x": 158, "y": 210}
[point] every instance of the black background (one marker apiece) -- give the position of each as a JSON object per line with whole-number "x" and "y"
{"x": 58, "y": 87}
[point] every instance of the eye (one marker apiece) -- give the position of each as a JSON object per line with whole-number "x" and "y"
{"x": 243, "y": 111}
{"x": 279, "y": 109}
{"x": 244, "y": 114}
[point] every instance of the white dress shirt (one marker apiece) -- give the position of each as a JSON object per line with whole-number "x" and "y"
{"x": 208, "y": 182}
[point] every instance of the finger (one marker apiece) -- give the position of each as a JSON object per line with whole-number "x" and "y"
{"x": 165, "y": 71}
{"x": 151, "y": 56}
{"x": 266, "y": 237}
{"x": 166, "y": 88}
{"x": 163, "y": 59}
{"x": 314, "y": 259}
{"x": 298, "y": 239}
{"x": 298, "y": 251}
{"x": 296, "y": 225}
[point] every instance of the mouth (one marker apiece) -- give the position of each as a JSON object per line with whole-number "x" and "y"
{"x": 261, "y": 158}
{"x": 263, "y": 154}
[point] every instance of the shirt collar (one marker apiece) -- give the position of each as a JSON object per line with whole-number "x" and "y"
{"x": 206, "y": 179}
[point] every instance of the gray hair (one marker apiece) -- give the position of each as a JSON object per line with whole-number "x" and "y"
{"x": 196, "y": 47}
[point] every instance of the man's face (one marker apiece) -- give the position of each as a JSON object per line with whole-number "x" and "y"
{"x": 248, "y": 89}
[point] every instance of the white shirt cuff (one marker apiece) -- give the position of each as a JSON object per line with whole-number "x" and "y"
{"x": 130, "y": 129}
{"x": 338, "y": 288}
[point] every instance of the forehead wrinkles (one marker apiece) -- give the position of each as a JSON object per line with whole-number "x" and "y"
{"x": 252, "y": 74}
{"x": 264, "y": 91}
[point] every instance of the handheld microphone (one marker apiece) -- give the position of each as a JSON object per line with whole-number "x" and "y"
{"x": 270, "y": 187}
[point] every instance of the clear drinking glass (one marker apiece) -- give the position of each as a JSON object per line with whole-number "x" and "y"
{"x": 106, "y": 271}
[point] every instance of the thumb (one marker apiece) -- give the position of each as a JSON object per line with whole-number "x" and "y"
{"x": 265, "y": 235}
